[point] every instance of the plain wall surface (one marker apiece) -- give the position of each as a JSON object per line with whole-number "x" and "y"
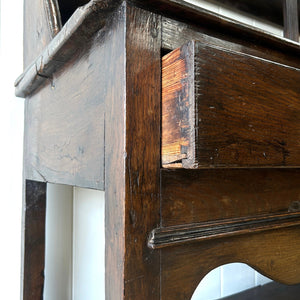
{"x": 59, "y": 242}
{"x": 75, "y": 244}
{"x": 11, "y": 150}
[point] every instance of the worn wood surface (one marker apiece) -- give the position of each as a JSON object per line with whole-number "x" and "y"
{"x": 94, "y": 120}
{"x": 273, "y": 253}
{"x": 39, "y": 27}
{"x": 192, "y": 196}
{"x": 291, "y": 19}
{"x": 185, "y": 234}
{"x": 226, "y": 109}
{"x": 143, "y": 90}
{"x": 67, "y": 44}
{"x": 217, "y": 25}
{"x": 64, "y": 124}
{"x": 272, "y": 290}
{"x": 112, "y": 57}
{"x": 34, "y": 240}
{"x": 176, "y": 33}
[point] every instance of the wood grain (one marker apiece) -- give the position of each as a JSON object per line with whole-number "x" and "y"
{"x": 34, "y": 240}
{"x": 72, "y": 38}
{"x": 192, "y": 196}
{"x": 64, "y": 125}
{"x": 38, "y": 29}
{"x": 273, "y": 253}
{"x": 176, "y": 33}
{"x": 226, "y": 109}
{"x": 132, "y": 153}
{"x": 112, "y": 57}
{"x": 185, "y": 234}
{"x": 143, "y": 94}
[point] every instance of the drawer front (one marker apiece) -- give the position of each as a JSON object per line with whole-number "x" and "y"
{"x": 222, "y": 108}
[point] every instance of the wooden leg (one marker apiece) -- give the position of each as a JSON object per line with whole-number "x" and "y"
{"x": 34, "y": 240}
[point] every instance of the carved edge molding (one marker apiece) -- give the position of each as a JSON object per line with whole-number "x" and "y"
{"x": 74, "y": 35}
{"x": 182, "y": 234}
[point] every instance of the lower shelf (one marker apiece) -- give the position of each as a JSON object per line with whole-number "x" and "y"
{"x": 273, "y": 290}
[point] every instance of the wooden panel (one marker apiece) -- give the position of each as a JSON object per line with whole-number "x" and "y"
{"x": 67, "y": 44}
{"x": 273, "y": 253}
{"x": 41, "y": 24}
{"x": 185, "y": 234}
{"x": 64, "y": 125}
{"x": 132, "y": 153}
{"x": 34, "y": 240}
{"x": 226, "y": 109}
{"x": 176, "y": 33}
{"x": 192, "y": 196}
{"x": 143, "y": 94}
{"x": 112, "y": 55}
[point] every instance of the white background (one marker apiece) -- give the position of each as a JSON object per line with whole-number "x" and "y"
{"x": 11, "y": 139}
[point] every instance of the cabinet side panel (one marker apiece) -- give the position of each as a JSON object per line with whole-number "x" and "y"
{"x": 64, "y": 124}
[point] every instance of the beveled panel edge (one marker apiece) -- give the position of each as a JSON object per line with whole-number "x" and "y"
{"x": 183, "y": 234}
{"x": 83, "y": 24}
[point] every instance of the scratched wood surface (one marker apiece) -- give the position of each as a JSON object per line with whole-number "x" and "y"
{"x": 226, "y": 109}
{"x": 191, "y": 196}
{"x": 41, "y": 24}
{"x": 62, "y": 144}
{"x": 143, "y": 89}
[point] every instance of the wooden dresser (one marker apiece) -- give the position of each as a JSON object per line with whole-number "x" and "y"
{"x": 190, "y": 123}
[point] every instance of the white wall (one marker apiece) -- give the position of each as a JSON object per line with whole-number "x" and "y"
{"x": 11, "y": 139}
{"x": 75, "y": 262}
{"x": 59, "y": 242}
{"x": 88, "y": 245}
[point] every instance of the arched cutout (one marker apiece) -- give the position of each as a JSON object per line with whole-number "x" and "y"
{"x": 227, "y": 280}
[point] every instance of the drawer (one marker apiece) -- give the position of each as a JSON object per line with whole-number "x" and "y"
{"x": 222, "y": 108}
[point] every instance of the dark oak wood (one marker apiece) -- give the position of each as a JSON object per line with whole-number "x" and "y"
{"x": 142, "y": 159}
{"x": 176, "y": 33}
{"x": 67, "y": 44}
{"x": 62, "y": 144}
{"x": 132, "y": 184}
{"x": 226, "y": 109}
{"x": 85, "y": 22}
{"x": 185, "y": 234}
{"x": 193, "y": 196}
{"x": 272, "y": 253}
{"x": 291, "y": 19}
{"x": 34, "y": 240}
{"x": 93, "y": 119}
{"x": 113, "y": 50}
